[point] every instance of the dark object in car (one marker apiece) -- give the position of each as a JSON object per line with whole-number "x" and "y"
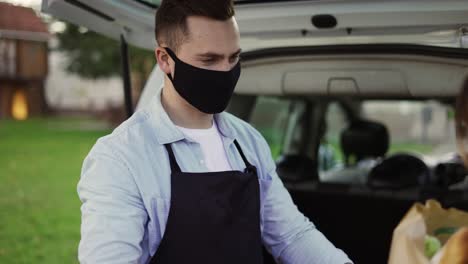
{"x": 294, "y": 168}
{"x": 364, "y": 139}
{"x": 399, "y": 171}
{"x": 446, "y": 174}
{"x": 324, "y": 21}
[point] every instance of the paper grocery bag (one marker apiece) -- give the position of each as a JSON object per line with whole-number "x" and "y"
{"x": 431, "y": 219}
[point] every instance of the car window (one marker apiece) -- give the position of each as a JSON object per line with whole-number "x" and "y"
{"x": 425, "y": 128}
{"x": 329, "y": 153}
{"x": 270, "y": 117}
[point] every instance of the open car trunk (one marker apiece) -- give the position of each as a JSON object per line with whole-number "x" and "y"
{"x": 268, "y": 24}
{"x": 279, "y": 28}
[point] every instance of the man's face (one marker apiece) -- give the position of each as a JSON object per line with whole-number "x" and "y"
{"x": 211, "y": 44}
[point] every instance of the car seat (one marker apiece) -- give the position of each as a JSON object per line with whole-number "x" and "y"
{"x": 399, "y": 171}
{"x": 364, "y": 139}
{"x": 363, "y": 142}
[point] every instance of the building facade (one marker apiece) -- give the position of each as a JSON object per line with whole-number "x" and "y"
{"x": 23, "y": 62}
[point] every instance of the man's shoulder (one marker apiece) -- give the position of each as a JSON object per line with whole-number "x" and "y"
{"x": 114, "y": 162}
{"x": 129, "y": 137}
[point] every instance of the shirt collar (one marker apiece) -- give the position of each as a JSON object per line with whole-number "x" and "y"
{"x": 165, "y": 130}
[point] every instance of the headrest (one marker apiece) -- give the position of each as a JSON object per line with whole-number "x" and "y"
{"x": 399, "y": 171}
{"x": 294, "y": 168}
{"x": 364, "y": 139}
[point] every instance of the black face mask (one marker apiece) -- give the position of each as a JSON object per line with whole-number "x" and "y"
{"x": 207, "y": 90}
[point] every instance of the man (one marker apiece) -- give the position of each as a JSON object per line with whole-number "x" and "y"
{"x": 183, "y": 182}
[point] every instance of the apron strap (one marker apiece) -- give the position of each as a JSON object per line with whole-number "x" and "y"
{"x": 174, "y": 165}
{"x": 247, "y": 163}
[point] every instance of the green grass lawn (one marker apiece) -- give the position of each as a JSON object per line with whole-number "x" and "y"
{"x": 40, "y": 163}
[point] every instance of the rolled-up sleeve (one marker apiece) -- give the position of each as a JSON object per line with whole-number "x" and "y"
{"x": 287, "y": 233}
{"x": 113, "y": 216}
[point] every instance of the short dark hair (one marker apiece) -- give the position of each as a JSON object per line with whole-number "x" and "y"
{"x": 171, "y": 17}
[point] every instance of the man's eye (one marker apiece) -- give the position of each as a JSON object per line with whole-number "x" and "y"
{"x": 208, "y": 61}
{"x": 235, "y": 58}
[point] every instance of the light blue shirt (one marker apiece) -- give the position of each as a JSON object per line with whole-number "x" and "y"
{"x": 125, "y": 191}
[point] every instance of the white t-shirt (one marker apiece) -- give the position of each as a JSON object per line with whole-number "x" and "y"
{"x": 214, "y": 155}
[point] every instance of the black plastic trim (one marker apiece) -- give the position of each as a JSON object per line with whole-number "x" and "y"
{"x": 324, "y": 21}
{"x": 154, "y": 6}
{"x": 404, "y": 49}
{"x": 126, "y": 76}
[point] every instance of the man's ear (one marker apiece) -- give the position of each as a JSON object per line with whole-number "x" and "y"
{"x": 163, "y": 60}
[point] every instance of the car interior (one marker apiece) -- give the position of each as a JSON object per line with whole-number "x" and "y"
{"x": 359, "y": 202}
{"x": 357, "y": 199}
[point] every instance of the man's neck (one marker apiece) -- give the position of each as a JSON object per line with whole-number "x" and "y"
{"x": 182, "y": 113}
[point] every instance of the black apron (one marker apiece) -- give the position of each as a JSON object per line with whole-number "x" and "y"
{"x": 214, "y": 217}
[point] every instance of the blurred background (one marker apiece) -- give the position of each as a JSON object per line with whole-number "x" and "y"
{"x": 60, "y": 90}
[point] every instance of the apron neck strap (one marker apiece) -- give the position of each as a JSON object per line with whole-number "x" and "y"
{"x": 247, "y": 163}
{"x": 174, "y": 165}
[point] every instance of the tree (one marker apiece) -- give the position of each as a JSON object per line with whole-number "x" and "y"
{"x": 91, "y": 55}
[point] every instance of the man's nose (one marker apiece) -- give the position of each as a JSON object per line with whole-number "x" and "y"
{"x": 226, "y": 65}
